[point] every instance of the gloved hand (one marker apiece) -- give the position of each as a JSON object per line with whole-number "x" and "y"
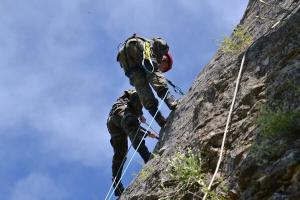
{"x": 142, "y": 119}
{"x": 153, "y": 135}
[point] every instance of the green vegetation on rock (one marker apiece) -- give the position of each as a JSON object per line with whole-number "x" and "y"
{"x": 238, "y": 42}
{"x": 187, "y": 176}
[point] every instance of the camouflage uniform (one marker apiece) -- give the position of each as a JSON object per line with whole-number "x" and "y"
{"x": 122, "y": 122}
{"x": 130, "y": 57}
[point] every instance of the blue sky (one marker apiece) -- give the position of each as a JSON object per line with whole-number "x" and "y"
{"x": 59, "y": 78}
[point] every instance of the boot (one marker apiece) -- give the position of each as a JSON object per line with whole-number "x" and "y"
{"x": 161, "y": 121}
{"x": 119, "y": 189}
{"x": 144, "y": 153}
{"x": 171, "y": 102}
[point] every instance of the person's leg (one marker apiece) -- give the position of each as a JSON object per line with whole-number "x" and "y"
{"x": 130, "y": 124}
{"x": 119, "y": 143}
{"x": 160, "y": 85}
{"x": 140, "y": 82}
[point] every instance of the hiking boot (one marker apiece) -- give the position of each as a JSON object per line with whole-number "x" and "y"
{"x": 171, "y": 102}
{"x": 144, "y": 153}
{"x": 161, "y": 121}
{"x": 119, "y": 189}
{"x": 159, "y": 118}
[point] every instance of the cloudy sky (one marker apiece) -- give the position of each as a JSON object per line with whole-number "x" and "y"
{"x": 59, "y": 78}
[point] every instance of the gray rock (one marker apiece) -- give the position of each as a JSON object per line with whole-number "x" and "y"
{"x": 271, "y": 77}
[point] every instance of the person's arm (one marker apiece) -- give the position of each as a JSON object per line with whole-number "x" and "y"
{"x": 153, "y": 135}
{"x": 149, "y": 133}
{"x": 142, "y": 119}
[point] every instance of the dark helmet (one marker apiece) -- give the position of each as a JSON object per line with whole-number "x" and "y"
{"x": 160, "y": 47}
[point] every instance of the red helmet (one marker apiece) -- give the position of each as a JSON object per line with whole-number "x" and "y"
{"x": 166, "y": 63}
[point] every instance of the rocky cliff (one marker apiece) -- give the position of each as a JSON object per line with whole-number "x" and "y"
{"x": 262, "y": 149}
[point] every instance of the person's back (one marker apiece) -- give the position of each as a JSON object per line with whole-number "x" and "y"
{"x": 129, "y": 102}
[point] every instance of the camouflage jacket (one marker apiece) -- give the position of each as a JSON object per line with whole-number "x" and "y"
{"x": 128, "y": 102}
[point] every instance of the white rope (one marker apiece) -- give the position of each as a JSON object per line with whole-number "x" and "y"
{"x": 138, "y": 146}
{"x": 227, "y": 125}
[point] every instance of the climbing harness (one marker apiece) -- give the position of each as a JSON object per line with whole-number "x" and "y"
{"x": 175, "y": 87}
{"x": 147, "y": 57}
{"x": 136, "y": 149}
{"x": 146, "y": 62}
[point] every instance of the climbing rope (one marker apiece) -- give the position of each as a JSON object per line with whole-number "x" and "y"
{"x": 175, "y": 87}
{"x": 227, "y": 125}
{"x": 151, "y": 128}
{"x": 233, "y": 101}
{"x": 137, "y": 146}
{"x": 273, "y": 5}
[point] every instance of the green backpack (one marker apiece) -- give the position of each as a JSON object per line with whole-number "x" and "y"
{"x": 147, "y": 50}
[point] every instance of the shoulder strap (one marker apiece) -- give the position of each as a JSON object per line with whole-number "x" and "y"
{"x": 146, "y": 43}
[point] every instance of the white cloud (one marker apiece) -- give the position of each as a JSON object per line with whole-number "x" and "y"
{"x": 70, "y": 122}
{"x": 150, "y": 17}
{"x": 36, "y": 187}
{"x": 44, "y": 84}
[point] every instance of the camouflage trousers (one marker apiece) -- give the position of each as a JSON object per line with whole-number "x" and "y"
{"x": 120, "y": 126}
{"x": 142, "y": 81}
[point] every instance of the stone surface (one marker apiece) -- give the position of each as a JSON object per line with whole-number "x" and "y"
{"x": 271, "y": 77}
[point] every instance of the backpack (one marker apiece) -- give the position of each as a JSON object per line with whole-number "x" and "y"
{"x": 147, "y": 51}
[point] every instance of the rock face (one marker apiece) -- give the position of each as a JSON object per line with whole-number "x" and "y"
{"x": 262, "y": 157}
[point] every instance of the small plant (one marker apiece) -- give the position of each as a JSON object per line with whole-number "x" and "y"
{"x": 276, "y": 128}
{"x": 238, "y": 42}
{"x": 186, "y": 174}
{"x": 278, "y": 122}
{"x": 145, "y": 173}
{"x": 147, "y": 170}
{"x": 267, "y": 150}
{"x": 186, "y": 168}
{"x": 212, "y": 195}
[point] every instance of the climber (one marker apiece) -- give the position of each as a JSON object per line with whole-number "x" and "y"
{"x": 124, "y": 120}
{"x": 143, "y": 62}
